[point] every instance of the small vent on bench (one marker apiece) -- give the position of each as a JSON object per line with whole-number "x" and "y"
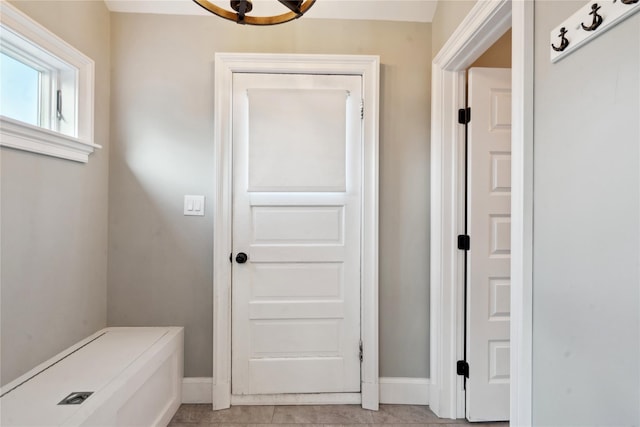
{"x": 76, "y": 398}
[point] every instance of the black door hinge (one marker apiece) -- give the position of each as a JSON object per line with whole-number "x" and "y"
{"x": 462, "y": 368}
{"x": 464, "y": 115}
{"x": 464, "y": 242}
{"x": 361, "y": 352}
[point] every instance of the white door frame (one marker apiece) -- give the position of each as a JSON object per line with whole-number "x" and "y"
{"x": 484, "y": 24}
{"x": 225, "y": 65}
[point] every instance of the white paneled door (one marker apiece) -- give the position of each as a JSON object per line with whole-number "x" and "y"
{"x": 297, "y": 179}
{"x": 489, "y": 227}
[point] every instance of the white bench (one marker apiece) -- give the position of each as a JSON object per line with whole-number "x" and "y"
{"x": 134, "y": 374}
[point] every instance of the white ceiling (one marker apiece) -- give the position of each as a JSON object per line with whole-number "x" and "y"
{"x": 386, "y": 10}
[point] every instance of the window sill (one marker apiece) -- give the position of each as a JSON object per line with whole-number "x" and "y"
{"x": 26, "y": 137}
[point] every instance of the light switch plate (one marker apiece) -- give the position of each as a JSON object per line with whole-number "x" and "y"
{"x": 194, "y": 205}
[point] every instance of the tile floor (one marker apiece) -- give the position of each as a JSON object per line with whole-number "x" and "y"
{"x": 313, "y": 416}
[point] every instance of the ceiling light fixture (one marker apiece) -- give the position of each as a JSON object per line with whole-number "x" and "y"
{"x": 241, "y": 8}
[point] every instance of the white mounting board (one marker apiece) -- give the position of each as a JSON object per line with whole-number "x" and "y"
{"x": 612, "y": 12}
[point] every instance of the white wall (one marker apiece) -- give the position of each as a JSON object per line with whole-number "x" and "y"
{"x": 586, "y": 308}
{"x": 54, "y": 218}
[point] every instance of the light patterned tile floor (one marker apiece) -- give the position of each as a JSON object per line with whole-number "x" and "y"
{"x": 314, "y": 416}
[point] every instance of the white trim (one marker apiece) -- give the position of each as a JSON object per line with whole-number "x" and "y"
{"x": 485, "y": 23}
{"x": 225, "y": 65}
{"x": 40, "y": 140}
{"x": 199, "y": 390}
{"x": 522, "y": 214}
{"x": 483, "y": 26}
{"x": 196, "y": 390}
{"x": 404, "y": 391}
{"x": 298, "y": 399}
{"x": 23, "y": 136}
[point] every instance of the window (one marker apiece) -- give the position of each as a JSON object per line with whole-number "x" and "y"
{"x": 20, "y": 98}
{"x": 46, "y": 90}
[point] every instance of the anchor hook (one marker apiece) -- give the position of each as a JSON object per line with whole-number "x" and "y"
{"x": 597, "y": 19}
{"x": 563, "y": 43}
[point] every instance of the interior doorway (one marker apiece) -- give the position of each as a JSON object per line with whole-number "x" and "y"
{"x": 485, "y": 24}
{"x": 228, "y": 65}
{"x": 487, "y": 282}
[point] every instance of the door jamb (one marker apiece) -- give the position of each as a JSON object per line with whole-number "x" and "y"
{"x": 225, "y": 65}
{"x": 484, "y": 24}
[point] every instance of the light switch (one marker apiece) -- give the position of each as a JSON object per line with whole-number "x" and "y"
{"x": 194, "y": 205}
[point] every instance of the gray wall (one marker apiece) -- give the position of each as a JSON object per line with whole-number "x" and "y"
{"x": 586, "y": 323}
{"x": 54, "y": 218}
{"x": 449, "y": 14}
{"x": 160, "y": 262}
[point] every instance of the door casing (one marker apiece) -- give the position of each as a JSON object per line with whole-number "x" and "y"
{"x": 485, "y": 23}
{"x": 225, "y": 65}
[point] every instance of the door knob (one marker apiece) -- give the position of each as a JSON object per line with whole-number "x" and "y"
{"x": 241, "y": 258}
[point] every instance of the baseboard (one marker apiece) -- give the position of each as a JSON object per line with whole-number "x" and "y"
{"x": 405, "y": 391}
{"x": 197, "y": 390}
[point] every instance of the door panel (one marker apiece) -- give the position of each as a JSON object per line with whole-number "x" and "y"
{"x": 297, "y": 139}
{"x": 284, "y": 281}
{"x": 298, "y": 225}
{"x": 301, "y": 373}
{"x": 274, "y": 338}
{"x": 489, "y": 225}
{"x": 296, "y": 214}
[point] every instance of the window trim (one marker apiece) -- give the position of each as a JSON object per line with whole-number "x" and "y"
{"x": 23, "y": 136}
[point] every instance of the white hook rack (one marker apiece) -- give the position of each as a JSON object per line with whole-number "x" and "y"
{"x": 612, "y": 12}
